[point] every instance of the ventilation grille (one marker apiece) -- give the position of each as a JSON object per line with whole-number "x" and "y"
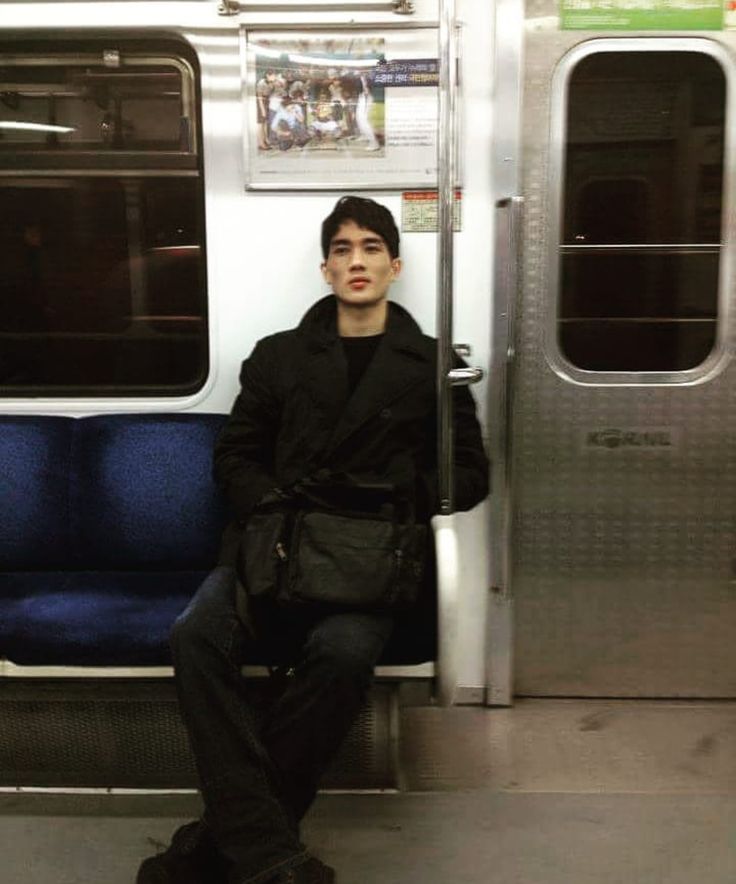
{"x": 129, "y": 734}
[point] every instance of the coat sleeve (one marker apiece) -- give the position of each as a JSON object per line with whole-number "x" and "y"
{"x": 471, "y": 468}
{"x": 470, "y": 463}
{"x": 243, "y": 455}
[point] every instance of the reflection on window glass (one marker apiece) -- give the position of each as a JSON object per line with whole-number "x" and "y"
{"x": 642, "y": 285}
{"x": 642, "y": 211}
{"x": 612, "y": 210}
{"x": 84, "y": 105}
{"x": 103, "y": 285}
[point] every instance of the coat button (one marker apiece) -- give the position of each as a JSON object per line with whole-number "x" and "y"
{"x": 386, "y": 413}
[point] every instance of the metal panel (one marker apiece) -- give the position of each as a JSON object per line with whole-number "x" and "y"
{"x": 507, "y": 69}
{"x": 622, "y": 555}
{"x": 499, "y": 661}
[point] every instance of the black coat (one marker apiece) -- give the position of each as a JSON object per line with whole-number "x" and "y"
{"x": 293, "y": 419}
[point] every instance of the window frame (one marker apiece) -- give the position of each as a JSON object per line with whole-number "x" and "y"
{"x": 556, "y": 185}
{"x": 117, "y": 161}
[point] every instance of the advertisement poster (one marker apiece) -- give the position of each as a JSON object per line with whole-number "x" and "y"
{"x": 333, "y": 111}
{"x": 642, "y": 15}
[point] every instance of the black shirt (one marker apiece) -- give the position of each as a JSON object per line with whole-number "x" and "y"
{"x": 359, "y": 352}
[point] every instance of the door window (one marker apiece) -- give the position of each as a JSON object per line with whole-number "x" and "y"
{"x": 641, "y": 211}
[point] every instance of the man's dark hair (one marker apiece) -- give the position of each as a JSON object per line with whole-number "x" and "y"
{"x": 367, "y": 214}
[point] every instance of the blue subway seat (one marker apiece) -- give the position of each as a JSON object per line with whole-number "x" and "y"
{"x": 108, "y": 525}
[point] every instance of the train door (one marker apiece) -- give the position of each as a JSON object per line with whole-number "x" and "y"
{"x": 621, "y": 436}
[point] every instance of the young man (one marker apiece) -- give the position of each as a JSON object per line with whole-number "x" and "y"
{"x": 348, "y": 397}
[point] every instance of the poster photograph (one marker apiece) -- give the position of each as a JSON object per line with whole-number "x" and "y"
{"x": 335, "y": 111}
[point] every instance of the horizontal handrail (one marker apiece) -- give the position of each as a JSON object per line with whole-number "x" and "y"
{"x": 642, "y": 319}
{"x": 709, "y": 248}
{"x": 233, "y": 7}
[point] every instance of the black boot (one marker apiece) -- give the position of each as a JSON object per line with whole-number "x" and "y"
{"x": 311, "y": 872}
{"x": 191, "y": 858}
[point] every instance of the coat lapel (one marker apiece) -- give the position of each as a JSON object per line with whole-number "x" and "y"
{"x": 396, "y": 367}
{"x": 402, "y": 360}
{"x": 326, "y": 378}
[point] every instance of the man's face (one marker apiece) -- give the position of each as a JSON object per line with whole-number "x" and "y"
{"x": 359, "y": 266}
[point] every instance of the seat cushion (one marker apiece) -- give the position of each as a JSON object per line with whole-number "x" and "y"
{"x": 34, "y": 492}
{"x": 142, "y": 492}
{"x": 99, "y": 618}
{"x": 92, "y": 618}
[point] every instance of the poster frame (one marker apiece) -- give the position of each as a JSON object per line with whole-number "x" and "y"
{"x": 388, "y": 177}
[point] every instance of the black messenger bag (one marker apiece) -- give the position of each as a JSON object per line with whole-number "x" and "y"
{"x": 302, "y": 556}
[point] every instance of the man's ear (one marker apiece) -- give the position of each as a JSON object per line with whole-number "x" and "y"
{"x": 396, "y": 266}
{"x": 323, "y": 268}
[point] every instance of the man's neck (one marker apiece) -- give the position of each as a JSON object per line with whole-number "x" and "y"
{"x": 361, "y": 321}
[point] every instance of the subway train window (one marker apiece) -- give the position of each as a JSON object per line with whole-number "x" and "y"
{"x": 101, "y": 222}
{"x": 642, "y": 204}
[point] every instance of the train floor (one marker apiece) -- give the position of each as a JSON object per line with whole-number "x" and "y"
{"x": 548, "y": 792}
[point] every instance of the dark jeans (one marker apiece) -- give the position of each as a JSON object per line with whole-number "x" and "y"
{"x": 259, "y": 769}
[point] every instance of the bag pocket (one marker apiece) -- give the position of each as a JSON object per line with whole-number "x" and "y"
{"x": 412, "y": 554}
{"x": 263, "y": 554}
{"x": 354, "y": 563}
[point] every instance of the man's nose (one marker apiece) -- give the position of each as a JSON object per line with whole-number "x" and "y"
{"x": 356, "y": 259}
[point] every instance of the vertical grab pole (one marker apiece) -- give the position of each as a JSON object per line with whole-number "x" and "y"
{"x": 448, "y": 658}
{"x": 446, "y": 161}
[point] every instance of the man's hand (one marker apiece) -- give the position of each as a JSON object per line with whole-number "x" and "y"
{"x": 274, "y": 497}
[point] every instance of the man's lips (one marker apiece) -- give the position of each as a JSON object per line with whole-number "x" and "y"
{"x": 358, "y": 283}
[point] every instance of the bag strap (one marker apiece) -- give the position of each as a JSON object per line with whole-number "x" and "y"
{"x": 380, "y": 501}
